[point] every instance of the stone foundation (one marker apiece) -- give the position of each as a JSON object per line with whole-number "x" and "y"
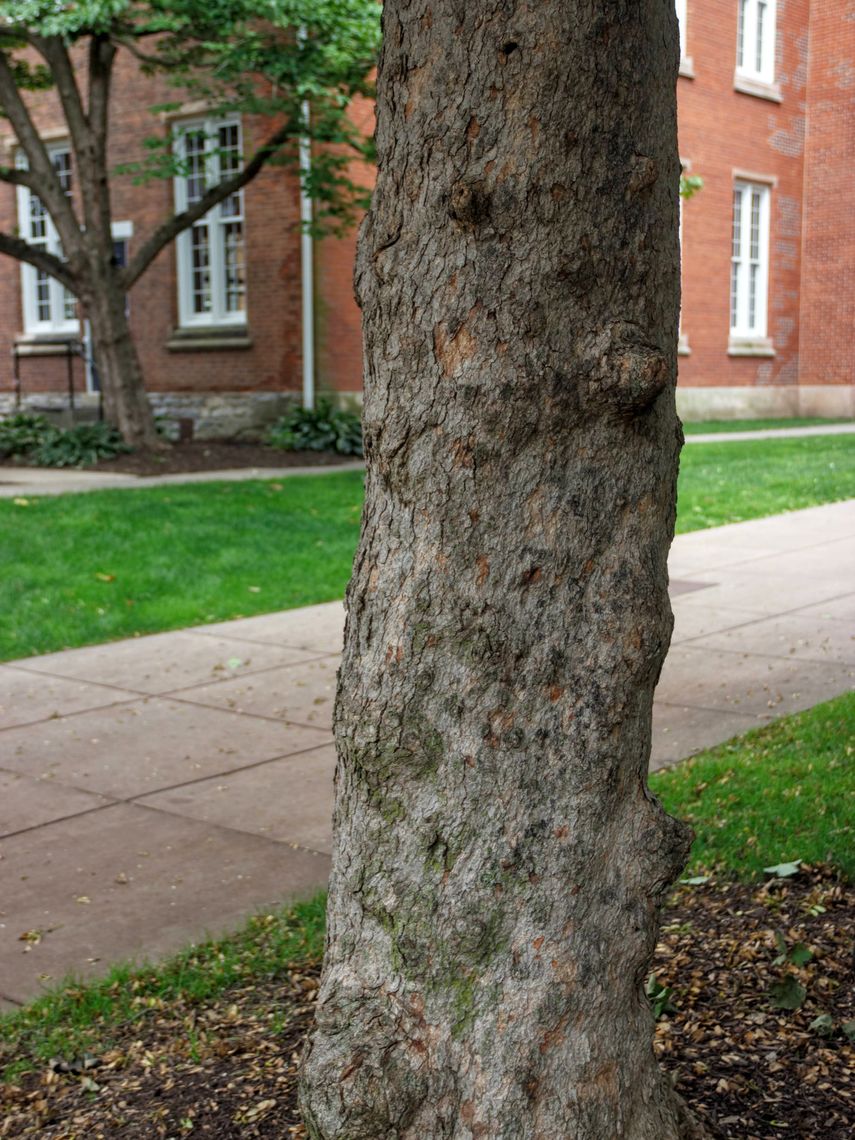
{"x": 832, "y": 401}
{"x": 221, "y": 415}
{"x": 248, "y": 415}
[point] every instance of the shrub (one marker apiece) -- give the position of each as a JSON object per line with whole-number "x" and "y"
{"x": 21, "y": 432}
{"x": 77, "y": 446}
{"x": 42, "y": 445}
{"x": 322, "y": 428}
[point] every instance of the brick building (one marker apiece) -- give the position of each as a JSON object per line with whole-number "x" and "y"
{"x": 765, "y": 99}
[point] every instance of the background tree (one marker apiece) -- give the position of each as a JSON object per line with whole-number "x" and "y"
{"x": 258, "y": 57}
{"x": 499, "y": 860}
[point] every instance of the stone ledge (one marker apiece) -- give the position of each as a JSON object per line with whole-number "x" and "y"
{"x": 209, "y": 339}
{"x": 759, "y": 88}
{"x": 750, "y": 346}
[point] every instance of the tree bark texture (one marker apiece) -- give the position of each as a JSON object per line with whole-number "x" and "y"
{"x": 499, "y": 862}
{"x": 125, "y": 402}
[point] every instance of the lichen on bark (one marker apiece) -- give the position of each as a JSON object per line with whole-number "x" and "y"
{"x": 499, "y": 862}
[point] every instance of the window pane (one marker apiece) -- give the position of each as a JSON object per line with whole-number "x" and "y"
{"x": 38, "y": 218}
{"x": 194, "y": 153}
{"x": 201, "y": 269}
{"x": 740, "y": 34}
{"x": 42, "y": 295}
{"x": 235, "y": 272}
{"x": 758, "y": 47}
{"x": 61, "y": 160}
{"x": 755, "y": 226}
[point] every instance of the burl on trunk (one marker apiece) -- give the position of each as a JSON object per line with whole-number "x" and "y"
{"x": 499, "y": 862}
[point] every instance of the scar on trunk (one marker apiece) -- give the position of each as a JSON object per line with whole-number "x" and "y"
{"x": 452, "y": 350}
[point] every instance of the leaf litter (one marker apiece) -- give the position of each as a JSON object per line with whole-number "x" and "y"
{"x": 227, "y": 1068}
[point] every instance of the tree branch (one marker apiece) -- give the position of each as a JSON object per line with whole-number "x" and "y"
{"x": 102, "y": 53}
{"x": 175, "y": 225}
{"x": 41, "y": 167}
{"x": 40, "y": 258}
{"x": 55, "y": 53}
{"x": 15, "y": 177}
{"x": 141, "y": 56}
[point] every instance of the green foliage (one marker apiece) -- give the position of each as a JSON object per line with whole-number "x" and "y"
{"x": 41, "y": 444}
{"x": 659, "y": 997}
{"x": 690, "y": 184}
{"x": 322, "y": 428}
{"x": 21, "y": 432}
{"x": 787, "y": 993}
{"x": 78, "y": 446}
{"x": 264, "y": 57}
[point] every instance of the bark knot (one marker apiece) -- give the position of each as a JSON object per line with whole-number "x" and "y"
{"x": 469, "y": 203}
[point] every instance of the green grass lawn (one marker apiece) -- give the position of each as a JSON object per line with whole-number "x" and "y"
{"x": 731, "y": 482}
{"x": 701, "y": 427}
{"x": 780, "y": 793}
{"x": 81, "y": 569}
{"x": 777, "y": 794}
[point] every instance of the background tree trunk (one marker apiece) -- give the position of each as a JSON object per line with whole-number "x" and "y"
{"x": 499, "y": 862}
{"x": 125, "y": 403}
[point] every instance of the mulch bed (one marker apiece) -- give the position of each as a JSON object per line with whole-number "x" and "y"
{"x": 215, "y": 455}
{"x": 229, "y": 1070}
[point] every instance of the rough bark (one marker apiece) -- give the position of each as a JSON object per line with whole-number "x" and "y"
{"x": 499, "y": 861}
{"x": 119, "y": 370}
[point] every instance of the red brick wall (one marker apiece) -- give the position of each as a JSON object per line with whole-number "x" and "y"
{"x": 721, "y": 130}
{"x": 273, "y": 252}
{"x": 338, "y": 329}
{"x": 828, "y": 249}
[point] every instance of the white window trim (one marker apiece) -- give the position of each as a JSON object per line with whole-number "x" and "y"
{"x": 746, "y": 339}
{"x": 218, "y": 317}
{"x": 687, "y": 65}
{"x": 58, "y": 324}
{"x": 748, "y": 77}
{"x": 683, "y": 348}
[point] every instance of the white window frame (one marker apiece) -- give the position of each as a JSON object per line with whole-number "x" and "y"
{"x": 686, "y": 62}
{"x": 214, "y": 224}
{"x": 749, "y": 304}
{"x": 57, "y": 323}
{"x": 755, "y": 53}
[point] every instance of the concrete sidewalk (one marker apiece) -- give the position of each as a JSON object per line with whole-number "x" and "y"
{"x": 155, "y": 789}
{"x": 31, "y": 481}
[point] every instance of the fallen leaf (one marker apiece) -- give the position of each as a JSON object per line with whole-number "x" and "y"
{"x": 105, "y": 577}
{"x": 783, "y": 870}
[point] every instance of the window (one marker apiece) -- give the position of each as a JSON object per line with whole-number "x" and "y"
{"x": 749, "y": 261}
{"x": 211, "y": 262}
{"x": 48, "y": 306}
{"x": 681, "y": 19}
{"x": 755, "y": 40}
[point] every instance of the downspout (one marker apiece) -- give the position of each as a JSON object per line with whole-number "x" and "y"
{"x": 307, "y": 264}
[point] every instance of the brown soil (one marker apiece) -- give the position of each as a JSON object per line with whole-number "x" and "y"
{"x": 215, "y": 455}
{"x": 752, "y": 1071}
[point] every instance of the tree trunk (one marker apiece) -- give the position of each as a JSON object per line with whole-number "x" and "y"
{"x": 125, "y": 403}
{"x": 499, "y": 861}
